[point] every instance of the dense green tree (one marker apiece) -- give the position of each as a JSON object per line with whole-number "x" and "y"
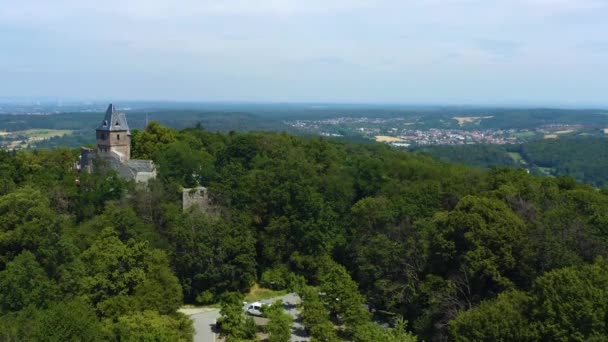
{"x": 371, "y": 332}
{"x": 483, "y": 239}
{"x": 123, "y": 219}
{"x": 233, "y": 323}
{"x": 502, "y": 319}
{"x": 212, "y": 254}
{"x": 126, "y": 277}
{"x": 571, "y": 304}
{"x": 67, "y": 321}
{"x": 276, "y": 278}
{"x": 147, "y": 142}
{"x": 160, "y": 289}
{"x": 19, "y": 325}
{"x": 341, "y": 293}
{"x": 441, "y": 245}
{"x": 315, "y": 317}
{"x": 27, "y": 223}
{"x": 150, "y": 326}
{"x": 189, "y": 167}
{"x": 25, "y": 283}
{"x": 279, "y": 326}
{"x": 568, "y": 304}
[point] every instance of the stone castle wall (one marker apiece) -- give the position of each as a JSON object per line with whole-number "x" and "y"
{"x": 196, "y": 199}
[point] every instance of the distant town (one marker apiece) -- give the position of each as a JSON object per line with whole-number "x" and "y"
{"x": 33, "y": 124}
{"x": 411, "y": 132}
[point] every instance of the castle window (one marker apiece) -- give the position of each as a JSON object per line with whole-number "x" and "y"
{"x": 117, "y": 123}
{"x": 118, "y": 136}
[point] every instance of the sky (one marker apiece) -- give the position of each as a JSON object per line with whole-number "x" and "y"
{"x": 538, "y": 52}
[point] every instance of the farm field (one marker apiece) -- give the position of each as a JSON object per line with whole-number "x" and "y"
{"x": 384, "y": 138}
{"x": 462, "y": 120}
{"x": 517, "y": 157}
{"x": 21, "y": 139}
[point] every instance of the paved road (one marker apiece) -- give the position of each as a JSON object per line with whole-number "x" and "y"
{"x": 204, "y": 319}
{"x": 290, "y": 300}
{"x": 204, "y": 323}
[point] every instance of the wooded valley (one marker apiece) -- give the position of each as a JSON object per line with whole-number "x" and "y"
{"x": 450, "y": 252}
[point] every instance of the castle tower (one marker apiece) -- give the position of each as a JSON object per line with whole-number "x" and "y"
{"x": 114, "y": 136}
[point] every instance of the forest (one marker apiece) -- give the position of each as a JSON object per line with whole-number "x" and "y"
{"x": 583, "y": 158}
{"x": 449, "y": 252}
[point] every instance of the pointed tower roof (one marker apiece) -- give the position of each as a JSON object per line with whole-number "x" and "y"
{"x": 114, "y": 121}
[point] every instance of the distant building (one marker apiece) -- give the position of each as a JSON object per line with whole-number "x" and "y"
{"x": 114, "y": 147}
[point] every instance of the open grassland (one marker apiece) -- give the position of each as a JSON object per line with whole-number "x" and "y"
{"x": 258, "y": 293}
{"x": 516, "y": 156}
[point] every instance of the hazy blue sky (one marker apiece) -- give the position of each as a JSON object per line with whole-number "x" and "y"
{"x": 409, "y": 51}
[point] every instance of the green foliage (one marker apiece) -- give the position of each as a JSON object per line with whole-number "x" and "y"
{"x": 120, "y": 217}
{"x": 276, "y": 278}
{"x": 279, "y": 326}
{"x": 19, "y": 325}
{"x": 24, "y": 283}
{"x": 569, "y": 304}
{"x": 583, "y": 158}
{"x": 67, "y": 321}
{"x": 212, "y": 254}
{"x": 122, "y": 277}
{"x": 113, "y": 268}
{"x": 461, "y": 253}
{"x": 315, "y": 317}
{"x": 371, "y": 332}
{"x": 146, "y": 143}
{"x": 185, "y": 165}
{"x": 485, "y": 239}
{"x": 27, "y": 222}
{"x": 234, "y": 326}
{"x": 250, "y": 329}
{"x": 160, "y": 289}
{"x": 501, "y": 319}
{"x": 474, "y": 155}
{"x": 205, "y": 297}
{"x": 341, "y": 293}
{"x": 150, "y": 326}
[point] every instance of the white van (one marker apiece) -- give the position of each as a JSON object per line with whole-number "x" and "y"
{"x": 255, "y": 309}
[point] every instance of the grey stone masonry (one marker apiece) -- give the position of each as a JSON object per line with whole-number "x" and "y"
{"x": 196, "y": 199}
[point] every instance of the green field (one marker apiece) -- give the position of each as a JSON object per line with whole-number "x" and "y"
{"x": 524, "y": 135}
{"x": 517, "y": 157}
{"x": 40, "y": 134}
{"x": 258, "y": 293}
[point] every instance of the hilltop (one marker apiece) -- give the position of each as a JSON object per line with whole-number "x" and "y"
{"x": 447, "y": 247}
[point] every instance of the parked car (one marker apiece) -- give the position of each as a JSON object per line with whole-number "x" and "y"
{"x": 255, "y": 309}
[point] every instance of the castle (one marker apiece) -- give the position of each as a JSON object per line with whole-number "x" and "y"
{"x": 114, "y": 147}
